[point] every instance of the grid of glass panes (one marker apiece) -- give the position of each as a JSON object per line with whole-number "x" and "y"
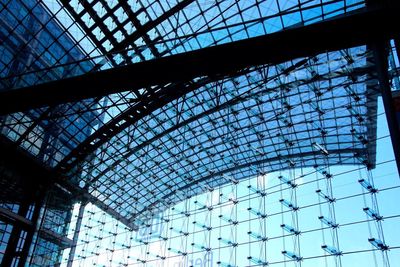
{"x": 183, "y": 25}
{"x": 245, "y": 223}
{"x": 5, "y": 232}
{"x": 264, "y": 117}
{"x": 153, "y": 29}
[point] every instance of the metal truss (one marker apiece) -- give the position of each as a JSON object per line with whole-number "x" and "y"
{"x": 357, "y": 28}
{"x": 131, "y": 162}
{"x": 124, "y": 156}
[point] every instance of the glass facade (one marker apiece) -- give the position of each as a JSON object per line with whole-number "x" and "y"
{"x": 275, "y": 164}
{"x": 32, "y": 40}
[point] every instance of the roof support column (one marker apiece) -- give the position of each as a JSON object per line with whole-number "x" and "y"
{"x": 76, "y": 234}
{"x": 12, "y": 254}
{"x": 381, "y": 61}
{"x": 38, "y": 204}
{"x": 23, "y": 232}
{"x": 397, "y": 44}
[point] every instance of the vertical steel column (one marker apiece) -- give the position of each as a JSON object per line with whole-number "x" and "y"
{"x": 15, "y": 236}
{"x": 397, "y": 45}
{"x": 76, "y": 234}
{"x": 381, "y": 61}
{"x": 30, "y": 234}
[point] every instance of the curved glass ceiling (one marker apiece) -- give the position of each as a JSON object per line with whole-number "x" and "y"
{"x": 249, "y": 125}
{"x": 303, "y": 112}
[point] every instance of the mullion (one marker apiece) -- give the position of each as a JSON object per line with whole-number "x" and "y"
{"x": 241, "y": 17}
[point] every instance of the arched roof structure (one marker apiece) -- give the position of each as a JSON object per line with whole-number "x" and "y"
{"x": 138, "y": 152}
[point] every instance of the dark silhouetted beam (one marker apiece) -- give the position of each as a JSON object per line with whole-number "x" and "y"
{"x": 14, "y": 157}
{"x": 353, "y": 29}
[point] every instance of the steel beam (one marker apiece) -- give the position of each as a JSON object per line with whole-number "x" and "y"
{"x": 13, "y": 249}
{"x": 43, "y": 176}
{"x": 143, "y": 108}
{"x": 234, "y": 101}
{"x": 38, "y": 203}
{"x": 353, "y": 29}
{"x": 142, "y": 30}
{"x": 13, "y": 218}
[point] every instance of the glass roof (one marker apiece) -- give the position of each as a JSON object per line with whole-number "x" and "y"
{"x": 248, "y": 125}
{"x": 81, "y": 36}
{"x": 303, "y": 112}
